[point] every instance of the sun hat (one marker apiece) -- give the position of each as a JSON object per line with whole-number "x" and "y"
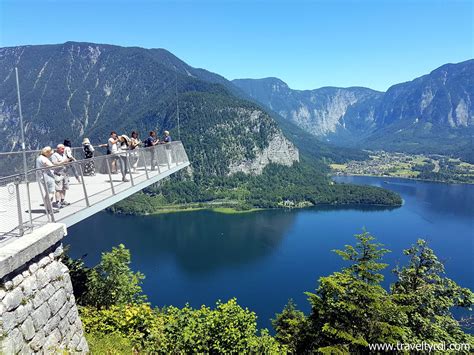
{"x": 86, "y": 141}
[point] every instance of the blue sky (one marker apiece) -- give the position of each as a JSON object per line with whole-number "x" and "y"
{"x": 308, "y": 44}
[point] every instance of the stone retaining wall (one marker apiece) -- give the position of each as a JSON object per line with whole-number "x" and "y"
{"x": 38, "y": 312}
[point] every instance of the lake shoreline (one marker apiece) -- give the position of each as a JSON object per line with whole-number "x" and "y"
{"x": 179, "y": 208}
{"x": 405, "y": 178}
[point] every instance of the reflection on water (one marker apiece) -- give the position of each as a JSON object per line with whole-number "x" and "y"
{"x": 267, "y": 257}
{"x": 198, "y": 241}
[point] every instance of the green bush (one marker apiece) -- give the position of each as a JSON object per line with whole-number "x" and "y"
{"x": 227, "y": 328}
{"x": 139, "y": 323}
{"x": 112, "y": 282}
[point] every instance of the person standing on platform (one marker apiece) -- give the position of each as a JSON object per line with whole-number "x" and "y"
{"x": 167, "y": 139}
{"x": 112, "y": 148}
{"x": 46, "y": 176}
{"x": 71, "y": 168}
{"x": 134, "y": 154}
{"x": 88, "y": 149}
{"x": 61, "y": 178}
{"x": 151, "y": 141}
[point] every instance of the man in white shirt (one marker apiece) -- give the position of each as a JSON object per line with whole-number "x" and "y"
{"x": 61, "y": 178}
{"x": 46, "y": 176}
{"x": 112, "y": 148}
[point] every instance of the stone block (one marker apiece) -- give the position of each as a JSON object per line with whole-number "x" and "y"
{"x": 8, "y": 285}
{"x": 41, "y": 316}
{"x": 57, "y": 284}
{"x": 50, "y": 290}
{"x": 29, "y": 286}
{"x": 9, "y": 321}
{"x": 65, "y": 328}
{"x": 57, "y": 301}
{"x": 82, "y": 347}
{"x": 13, "y": 342}
{"x": 59, "y": 251}
{"x": 44, "y": 261}
{"x": 42, "y": 278}
{"x": 13, "y": 299}
{"x": 68, "y": 288}
{"x": 28, "y": 329}
{"x": 38, "y": 341}
{"x": 22, "y": 312}
{"x": 52, "y": 324}
{"x": 25, "y": 274}
{"x": 17, "y": 280}
{"x": 40, "y": 297}
{"x": 64, "y": 310}
{"x": 74, "y": 341}
{"x": 25, "y": 350}
{"x": 33, "y": 268}
{"x": 73, "y": 315}
{"x": 54, "y": 270}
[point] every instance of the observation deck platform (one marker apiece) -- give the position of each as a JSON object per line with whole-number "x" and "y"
{"x": 23, "y": 206}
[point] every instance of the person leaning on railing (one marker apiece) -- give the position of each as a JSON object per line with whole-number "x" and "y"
{"x": 61, "y": 177}
{"x": 151, "y": 141}
{"x": 88, "y": 149}
{"x": 134, "y": 146}
{"x": 167, "y": 139}
{"x": 46, "y": 176}
{"x": 68, "y": 153}
{"x": 112, "y": 148}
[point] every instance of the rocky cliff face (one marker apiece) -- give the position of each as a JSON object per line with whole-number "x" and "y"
{"x": 443, "y": 98}
{"x": 77, "y": 90}
{"x": 321, "y": 112}
{"x": 279, "y": 151}
{"x": 433, "y": 113}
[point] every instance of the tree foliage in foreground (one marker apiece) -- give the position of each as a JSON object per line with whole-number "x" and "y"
{"x": 349, "y": 309}
{"x": 427, "y": 297}
{"x": 112, "y": 282}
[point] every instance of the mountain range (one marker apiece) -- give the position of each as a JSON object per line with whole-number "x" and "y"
{"x": 430, "y": 114}
{"x": 75, "y": 90}
{"x": 84, "y": 89}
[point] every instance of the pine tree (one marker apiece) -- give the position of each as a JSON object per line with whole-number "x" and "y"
{"x": 350, "y": 309}
{"x": 428, "y": 297}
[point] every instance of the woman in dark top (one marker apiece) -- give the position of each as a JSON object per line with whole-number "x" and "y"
{"x": 89, "y": 167}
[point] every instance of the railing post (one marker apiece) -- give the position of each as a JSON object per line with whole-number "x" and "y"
{"x": 167, "y": 156}
{"x": 84, "y": 185}
{"x": 144, "y": 162}
{"x": 18, "y": 202}
{"x": 29, "y": 202}
{"x": 156, "y": 152}
{"x": 110, "y": 175}
{"x": 127, "y": 155}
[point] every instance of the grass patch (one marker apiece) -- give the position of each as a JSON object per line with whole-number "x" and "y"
{"x": 338, "y": 167}
{"x": 231, "y": 210}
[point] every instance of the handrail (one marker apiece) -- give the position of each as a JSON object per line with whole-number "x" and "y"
{"x": 96, "y": 177}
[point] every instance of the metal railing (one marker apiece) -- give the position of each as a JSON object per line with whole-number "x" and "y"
{"x": 11, "y": 163}
{"x": 28, "y": 200}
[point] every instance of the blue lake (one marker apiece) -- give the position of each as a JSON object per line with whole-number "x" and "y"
{"x": 265, "y": 258}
